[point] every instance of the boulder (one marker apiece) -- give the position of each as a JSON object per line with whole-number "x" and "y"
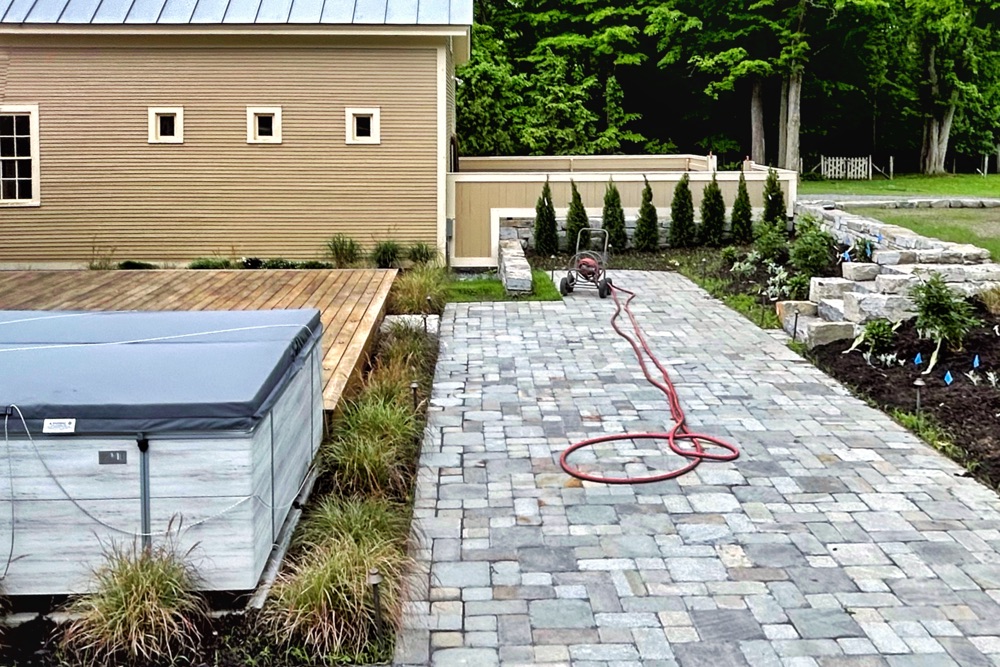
{"x": 891, "y": 257}
{"x": 861, "y": 308}
{"x": 828, "y": 288}
{"x": 895, "y": 283}
{"x": 813, "y": 331}
{"x": 858, "y": 271}
{"x": 831, "y": 310}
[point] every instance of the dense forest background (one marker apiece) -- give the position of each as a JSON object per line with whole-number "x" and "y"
{"x": 775, "y": 80}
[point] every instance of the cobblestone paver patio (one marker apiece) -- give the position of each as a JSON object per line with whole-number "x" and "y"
{"x": 837, "y": 538}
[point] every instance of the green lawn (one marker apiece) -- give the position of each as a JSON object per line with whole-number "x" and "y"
{"x": 978, "y": 226}
{"x": 491, "y": 289}
{"x": 948, "y": 185}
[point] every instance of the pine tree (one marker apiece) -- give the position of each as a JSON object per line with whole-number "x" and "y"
{"x": 647, "y": 230}
{"x": 576, "y": 220}
{"x": 713, "y": 215}
{"x": 774, "y": 199}
{"x": 546, "y": 236}
{"x": 613, "y": 218}
{"x": 682, "y": 231}
{"x": 742, "y": 221}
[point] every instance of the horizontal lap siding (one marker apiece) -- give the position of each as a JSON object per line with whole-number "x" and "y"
{"x": 106, "y": 190}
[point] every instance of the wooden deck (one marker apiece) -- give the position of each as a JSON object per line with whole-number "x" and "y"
{"x": 352, "y": 301}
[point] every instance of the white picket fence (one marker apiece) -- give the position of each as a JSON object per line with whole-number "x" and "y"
{"x": 846, "y": 168}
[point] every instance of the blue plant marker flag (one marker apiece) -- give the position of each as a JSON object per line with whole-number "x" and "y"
{"x": 918, "y": 359}
{"x": 868, "y": 249}
{"x": 948, "y": 379}
{"x": 880, "y": 238}
{"x": 975, "y": 362}
{"x": 847, "y": 256}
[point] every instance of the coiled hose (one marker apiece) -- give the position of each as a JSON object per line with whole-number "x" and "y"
{"x": 679, "y": 432}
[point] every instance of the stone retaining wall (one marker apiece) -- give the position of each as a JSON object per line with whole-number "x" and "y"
{"x": 514, "y": 270}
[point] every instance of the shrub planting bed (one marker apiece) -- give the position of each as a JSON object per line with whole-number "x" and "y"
{"x": 962, "y": 418}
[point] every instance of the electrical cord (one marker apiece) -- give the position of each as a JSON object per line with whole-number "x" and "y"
{"x": 696, "y": 454}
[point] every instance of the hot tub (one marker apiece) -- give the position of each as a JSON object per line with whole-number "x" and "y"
{"x": 201, "y": 423}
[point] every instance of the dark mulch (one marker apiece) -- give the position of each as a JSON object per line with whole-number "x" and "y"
{"x": 970, "y": 414}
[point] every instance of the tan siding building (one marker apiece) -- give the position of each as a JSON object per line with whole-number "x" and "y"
{"x": 351, "y": 142}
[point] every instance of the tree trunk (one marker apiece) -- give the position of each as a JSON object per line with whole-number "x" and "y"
{"x": 794, "y": 123}
{"x": 783, "y": 123}
{"x": 757, "y": 123}
{"x": 934, "y": 148}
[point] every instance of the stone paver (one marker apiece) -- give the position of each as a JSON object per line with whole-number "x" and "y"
{"x": 837, "y": 538}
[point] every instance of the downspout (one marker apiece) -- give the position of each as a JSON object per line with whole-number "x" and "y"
{"x": 144, "y": 510}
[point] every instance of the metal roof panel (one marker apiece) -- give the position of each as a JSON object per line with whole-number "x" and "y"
{"x": 177, "y": 11}
{"x": 112, "y": 11}
{"x": 45, "y": 11}
{"x": 461, "y": 12}
{"x": 241, "y": 11}
{"x": 17, "y": 11}
{"x": 145, "y": 11}
{"x": 433, "y": 12}
{"x": 274, "y": 11}
{"x": 370, "y": 11}
{"x": 306, "y": 11}
{"x": 401, "y": 12}
{"x": 209, "y": 11}
{"x": 79, "y": 11}
{"x": 337, "y": 11}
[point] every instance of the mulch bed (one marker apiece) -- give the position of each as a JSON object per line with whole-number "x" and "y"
{"x": 968, "y": 413}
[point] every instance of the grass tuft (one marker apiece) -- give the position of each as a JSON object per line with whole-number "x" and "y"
{"x": 142, "y": 609}
{"x": 991, "y": 300}
{"x": 323, "y": 600}
{"x": 422, "y": 289}
{"x": 489, "y": 288}
{"x": 357, "y": 519}
{"x": 364, "y": 465}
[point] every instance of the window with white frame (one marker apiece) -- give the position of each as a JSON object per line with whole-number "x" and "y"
{"x": 19, "y": 172}
{"x": 263, "y": 125}
{"x": 166, "y": 125}
{"x": 363, "y": 125}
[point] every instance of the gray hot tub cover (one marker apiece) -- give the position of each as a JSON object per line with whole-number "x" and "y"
{"x": 151, "y": 372}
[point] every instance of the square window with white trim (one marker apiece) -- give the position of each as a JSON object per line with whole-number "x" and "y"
{"x": 263, "y": 125}
{"x": 19, "y": 173}
{"x": 363, "y": 125}
{"x": 166, "y": 125}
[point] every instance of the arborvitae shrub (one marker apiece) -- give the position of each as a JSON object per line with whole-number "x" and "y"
{"x": 774, "y": 199}
{"x": 613, "y": 218}
{"x": 576, "y": 220}
{"x": 546, "y": 237}
{"x": 713, "y": 215}
{"x": 742, "y": 221}
{"x": 682, "y": 231}
{"x": 647, "y": 230}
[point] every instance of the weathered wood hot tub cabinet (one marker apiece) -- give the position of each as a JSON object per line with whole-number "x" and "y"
{"x": 123, "y": 425}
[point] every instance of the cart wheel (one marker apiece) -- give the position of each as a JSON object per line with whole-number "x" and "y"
{"x": 564, "y": 287}
{"x": 603, "y": 290}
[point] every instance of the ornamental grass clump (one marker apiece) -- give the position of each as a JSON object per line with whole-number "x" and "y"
{"x": 422, "y": 289}
{"x": 647, "y": 227}
{"x": 942, "y": 315}
{"x": 422, "y": 253}
{"x": 360, "y": 519}
{"x": 323, "y": 604}
{"x": 143, "y": 608}
{"x": 343, "y": 251}
{"x": 386, "y": 254}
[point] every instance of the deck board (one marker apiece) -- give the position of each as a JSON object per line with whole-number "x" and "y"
{"x": 351, "y": 302}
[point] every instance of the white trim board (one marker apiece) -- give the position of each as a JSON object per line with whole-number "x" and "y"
{"x": 442, "y": 151}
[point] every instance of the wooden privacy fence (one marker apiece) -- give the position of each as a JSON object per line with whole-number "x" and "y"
{"x": 846, "y": 168}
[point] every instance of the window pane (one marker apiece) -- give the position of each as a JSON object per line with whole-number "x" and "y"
{"x": 362, "y": 126}
{"x": 166, "y": 124}
{"x": 8, "y": 190}
{"x": 23, "y": 146}
{"x": 7, "y": 169}
{"x": 6, "y": 125}
{"x": 24, "y": 188}
{"x": 21, "y": 126}
{"x": 23, "y": 169}
{"x": 265, "y": 125}
{"x": 6, "y": 147}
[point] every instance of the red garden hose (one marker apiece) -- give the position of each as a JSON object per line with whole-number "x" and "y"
{"x": 679, "y": 432}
